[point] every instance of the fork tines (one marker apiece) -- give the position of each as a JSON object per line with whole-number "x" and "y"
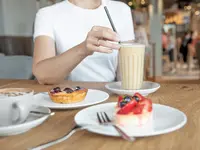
{"x": 103, "y": 117}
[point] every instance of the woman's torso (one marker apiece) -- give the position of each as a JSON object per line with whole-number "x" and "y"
{"x": 71, "y": 25}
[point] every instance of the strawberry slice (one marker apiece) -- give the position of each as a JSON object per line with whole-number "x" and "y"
{"x": 139, "y": 96}
{"x": 138, "y": 109}
{"x": 120, "y": 99}
{"x": 127, "y": 108}
{"x": 147, "y": 103}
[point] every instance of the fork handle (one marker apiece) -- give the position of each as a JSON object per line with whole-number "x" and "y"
{"x": 65, "y": 137}
{"x": 123, "y": 134}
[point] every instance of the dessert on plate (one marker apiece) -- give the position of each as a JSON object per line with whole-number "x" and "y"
{"x": 67, "y": 95}
{"x": 134, "y": 112}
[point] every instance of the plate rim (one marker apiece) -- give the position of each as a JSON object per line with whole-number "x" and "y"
{"x": 63, "y": 106}
{"x": 154, "y": 133}
{"x": 127, "y": 91}
{"x": 26, "y": 124}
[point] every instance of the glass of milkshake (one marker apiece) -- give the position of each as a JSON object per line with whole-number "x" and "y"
{"x": 131, "y": 63}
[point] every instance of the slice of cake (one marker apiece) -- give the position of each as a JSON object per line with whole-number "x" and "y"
{"x": 134, "y": 113}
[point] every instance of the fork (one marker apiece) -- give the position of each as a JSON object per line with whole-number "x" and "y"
{"x": 65, "y": 137}
{"x": 105, "y": 120}
{"x": 78, "y": 128}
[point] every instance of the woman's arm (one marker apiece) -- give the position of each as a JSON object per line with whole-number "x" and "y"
{"x": 51, "y": 69}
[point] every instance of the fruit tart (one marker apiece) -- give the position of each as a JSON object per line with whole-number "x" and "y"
{"x": 67, "y": 95}
{"x": 133, "y": 111}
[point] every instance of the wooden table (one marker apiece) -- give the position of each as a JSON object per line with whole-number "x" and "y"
{"x": 184, "y": 97}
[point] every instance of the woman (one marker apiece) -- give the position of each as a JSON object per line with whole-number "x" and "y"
{"x": 74, "y": 40}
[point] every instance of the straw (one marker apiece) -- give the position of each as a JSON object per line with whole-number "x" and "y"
{"x": 108, "y": 15}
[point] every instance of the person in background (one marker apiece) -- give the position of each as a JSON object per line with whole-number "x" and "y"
{"x": 141, "y": 37}
{"x": 140, "y": 33}
{"x": 165, "y": 57}
{"x": 178, "y": 46}
{"x": 74, "y": 40}
{"x": 164, "y": 40}
{"x": 192, "y": 50}
{"x": 197, "y": 47}
{"x": 186, "y": 43}
{"x": 171, "y": 45}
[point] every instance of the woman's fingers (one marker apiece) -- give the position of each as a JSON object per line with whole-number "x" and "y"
{"x": 101, "y": 39}
{"x": 107, "y": 44}
{"x": 104, "y": 33}
{"x": 100, "y": 49}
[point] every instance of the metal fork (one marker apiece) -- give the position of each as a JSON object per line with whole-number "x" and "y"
{"x": 65, "y": 137}
{"x": 105, "y": 120}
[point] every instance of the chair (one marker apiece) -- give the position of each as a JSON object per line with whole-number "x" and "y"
{"x": 16, "y": 67}
{"x": 2, "y": 54}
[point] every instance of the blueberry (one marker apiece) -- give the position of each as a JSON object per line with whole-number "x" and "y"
{"x": 57, "y": 89}
{"x": 52, "y": 92}
{"x": 127, "y": 99}
{"x": 136, "y": 98}
{"x": 122, "y": 104}
{"x": 68, "y": 90}
{"x": 78, "y": 88}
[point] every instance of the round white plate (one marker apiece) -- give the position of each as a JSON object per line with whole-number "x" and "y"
{"x": 92, "y": 97}
{"x": 32, "y": 121}
{"x": 165, "y": 119}
{"x": 147, "y": 88}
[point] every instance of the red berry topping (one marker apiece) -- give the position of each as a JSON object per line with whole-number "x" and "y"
{"x": 136, "y": 104}
{"x": 138, "y": 96}
{"x": 122, "y": 101}
{"x": 127, "y": 108}
{"x": 138, "y": 109}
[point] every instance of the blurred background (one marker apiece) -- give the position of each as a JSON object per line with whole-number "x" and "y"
{"x": 169, "y": 28}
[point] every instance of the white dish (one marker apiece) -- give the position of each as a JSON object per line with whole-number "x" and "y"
{"x": 92, "y": 97}
{"x": 32, "y": 121}
{"x": 147, "y": 88}
{"x": 165, "y": 120}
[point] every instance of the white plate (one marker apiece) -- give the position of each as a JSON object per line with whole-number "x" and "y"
{"x": 165, "y": 119}
{"x": 92, "y": 97}
{"x": 32, "y": 121}
{"x": 147, "y": 88}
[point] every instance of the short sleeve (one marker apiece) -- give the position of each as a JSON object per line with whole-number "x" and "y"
{"x": 43, "y": 24}
{"x": 127, "y": 33}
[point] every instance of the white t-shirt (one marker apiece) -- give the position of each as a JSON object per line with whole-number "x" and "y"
{"x": 68, "y": 25}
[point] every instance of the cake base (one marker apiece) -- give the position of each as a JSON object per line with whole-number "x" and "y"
{"x": 136, "y": 124}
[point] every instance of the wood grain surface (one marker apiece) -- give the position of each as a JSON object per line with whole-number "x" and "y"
{"x": 184, "y": 97}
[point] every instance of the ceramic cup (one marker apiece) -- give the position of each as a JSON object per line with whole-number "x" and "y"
{"x": 15, "y": 105}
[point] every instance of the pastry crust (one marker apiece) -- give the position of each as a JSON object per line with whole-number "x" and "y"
{"x": 67, "y": 98}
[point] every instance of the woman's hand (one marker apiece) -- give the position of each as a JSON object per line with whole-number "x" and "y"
{"x": 101, "y": 39}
